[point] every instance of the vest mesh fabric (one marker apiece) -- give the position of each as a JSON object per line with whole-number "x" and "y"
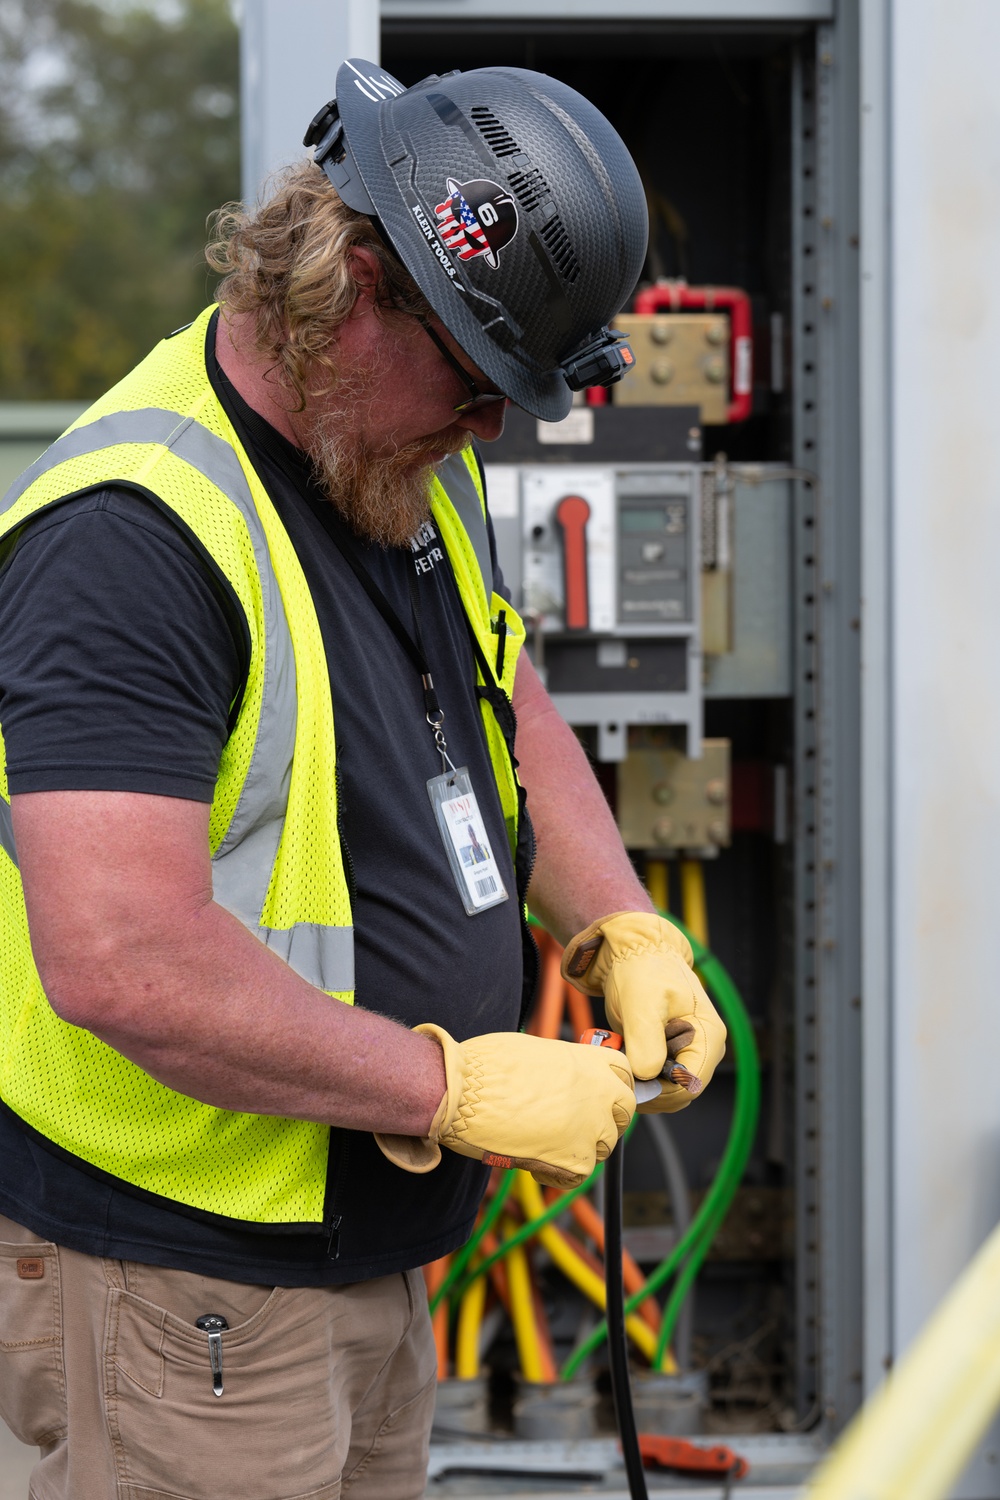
{"x": 74, "y": 1089}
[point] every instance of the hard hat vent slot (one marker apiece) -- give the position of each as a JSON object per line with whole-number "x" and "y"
{"x": 530, "y": 187}
{"x": 496, "y": 136}
{"x": 557, "y": 242}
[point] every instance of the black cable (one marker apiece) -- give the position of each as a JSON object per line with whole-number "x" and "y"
{"x": 621, "y": 1386}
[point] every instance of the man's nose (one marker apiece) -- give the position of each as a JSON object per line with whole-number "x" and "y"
{"x": 484, "y": 422}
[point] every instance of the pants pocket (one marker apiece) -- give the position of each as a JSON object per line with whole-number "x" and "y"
{"x": 271, "y": 1435}
{"x": 32, "y": 1383}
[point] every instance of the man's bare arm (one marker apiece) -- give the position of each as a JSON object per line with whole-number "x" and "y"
{"x": 130, "y": 945}
{"x": 582, "y": 872}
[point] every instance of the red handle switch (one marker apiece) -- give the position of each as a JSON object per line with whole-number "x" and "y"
{"x": 572, "y": 515}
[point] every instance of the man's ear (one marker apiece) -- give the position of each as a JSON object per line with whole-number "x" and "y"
{"x": 367, "y": 273}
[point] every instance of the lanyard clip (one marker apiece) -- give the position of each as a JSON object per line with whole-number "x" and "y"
{"x": 432, "y": 707}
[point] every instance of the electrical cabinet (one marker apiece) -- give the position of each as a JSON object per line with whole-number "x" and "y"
{"x": 685, "y": 557}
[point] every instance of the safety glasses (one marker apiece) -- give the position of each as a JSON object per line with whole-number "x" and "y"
{"x": 476, "y": 397}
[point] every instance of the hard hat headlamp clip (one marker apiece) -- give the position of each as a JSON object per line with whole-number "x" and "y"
{"x": 602, "y": 362}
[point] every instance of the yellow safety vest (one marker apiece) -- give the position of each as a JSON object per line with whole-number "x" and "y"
{"x": 276, "y": 855}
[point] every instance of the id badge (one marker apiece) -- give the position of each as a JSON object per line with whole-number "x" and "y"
{"x": 466, "y": 844}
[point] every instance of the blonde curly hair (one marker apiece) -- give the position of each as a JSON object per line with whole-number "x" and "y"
{"x": 288, "y": 265}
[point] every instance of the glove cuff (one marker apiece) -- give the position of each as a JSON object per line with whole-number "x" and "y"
{"x": 588, "y": 957}
{"x": 454, "y": 1073}
{"x": 421, "y": 1154}
{"x": 411, "y": 1152}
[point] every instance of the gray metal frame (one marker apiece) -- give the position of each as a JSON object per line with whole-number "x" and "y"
{"x": 827, "y": 770}
{"x": 289, "y": 54}
{"x": 876, "y": 732}
{"x": 931, "y": 522}
{"x": 741, "y": 11}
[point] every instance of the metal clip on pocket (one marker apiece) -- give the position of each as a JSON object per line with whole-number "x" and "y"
{"x": 213, "y": 1324}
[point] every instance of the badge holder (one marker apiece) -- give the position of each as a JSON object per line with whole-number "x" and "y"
{"x": 463, "y": 832}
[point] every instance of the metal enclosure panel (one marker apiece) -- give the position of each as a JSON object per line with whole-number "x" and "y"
{"x": 503, "y": 489}
{"x": 290, "y": 51}
{"x": 460, "y": 11}
{"x": 761, "y": 665}
{"x": 945, "y": 374}
{"x": 876, "y": 739}
{"x": 26, "y": 430}
{"x": 827, "y": 724}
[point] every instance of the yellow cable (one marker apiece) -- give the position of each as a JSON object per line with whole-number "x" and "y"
{"x": 693, "y": 907}
{"x": 658, "y": 883}
{"x": 918, "y": 1431}
{"x": 470, "y": 1323}
{"x": 522, "y": 1310}
{"x": 573, "y": 1267}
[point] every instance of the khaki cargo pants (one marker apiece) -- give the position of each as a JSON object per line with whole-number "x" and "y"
{"x": 328, "y": 1391}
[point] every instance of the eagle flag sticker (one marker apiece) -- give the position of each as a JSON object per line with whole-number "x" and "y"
{"x": 477, "y": 218}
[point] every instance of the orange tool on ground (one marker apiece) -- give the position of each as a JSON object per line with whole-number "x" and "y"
{"x": 687, "y": 1458}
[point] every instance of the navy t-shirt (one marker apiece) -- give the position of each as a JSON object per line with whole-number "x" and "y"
{"x": 120, "y": 657}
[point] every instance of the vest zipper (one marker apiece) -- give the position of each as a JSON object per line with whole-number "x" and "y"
{"x": 345, "y": 853}
{"x": 333, "y": 1238}
{"x": 333, "y": 1219}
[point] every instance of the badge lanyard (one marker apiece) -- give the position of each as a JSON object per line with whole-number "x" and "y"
{"x": 456, "y": 810}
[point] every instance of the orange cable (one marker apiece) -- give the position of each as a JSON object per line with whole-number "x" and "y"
{"x": 581, "y": 1011}
{"x": 546, "y": 1017}
{"x": 434, "y": 1274}
{"x": 590, "y": 1222}
{"x": 497, "y": 1274}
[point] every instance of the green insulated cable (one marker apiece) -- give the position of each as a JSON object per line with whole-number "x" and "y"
{"x": 532, "y": 1226}
{"x": 527, "y": 1230}
{"x": 690, "y": 1252}
{"x": 746, "y": 1109}
{"x": 472, "y": 1244}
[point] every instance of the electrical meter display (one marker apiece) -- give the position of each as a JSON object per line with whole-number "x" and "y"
{"x": 653, "y": 579}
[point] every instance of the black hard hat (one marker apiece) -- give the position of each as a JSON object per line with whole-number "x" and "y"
{"x": 513, "y": 204}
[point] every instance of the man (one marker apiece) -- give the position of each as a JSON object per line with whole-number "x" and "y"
{"x": 219, "y": 1180}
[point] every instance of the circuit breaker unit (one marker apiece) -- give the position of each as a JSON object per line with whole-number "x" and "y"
{"x": 609, "y": 571}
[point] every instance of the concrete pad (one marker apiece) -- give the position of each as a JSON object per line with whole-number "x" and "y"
{"x": 16, "y": 1463}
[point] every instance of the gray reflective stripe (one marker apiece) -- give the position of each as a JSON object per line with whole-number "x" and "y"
{"x": 236, "y": 869}
{"x": 461, "y": 491}
{"x": 7, "y": 831}
{"x": 241, "y": 869}
{"x": 323, "y": 956}
{"x": 150, "y": 424}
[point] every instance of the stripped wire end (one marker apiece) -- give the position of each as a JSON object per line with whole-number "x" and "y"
{"x": 677, "y": 1073}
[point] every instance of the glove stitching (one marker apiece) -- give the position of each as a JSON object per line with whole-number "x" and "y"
{"x": 471, "y": 1096}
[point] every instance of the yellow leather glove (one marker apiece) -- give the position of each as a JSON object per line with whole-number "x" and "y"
{"x": 642, "y": 965}
{"x": 554, "y": 1108}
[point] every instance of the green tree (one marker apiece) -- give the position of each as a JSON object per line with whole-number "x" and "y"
{"x": 119, "y": 134}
